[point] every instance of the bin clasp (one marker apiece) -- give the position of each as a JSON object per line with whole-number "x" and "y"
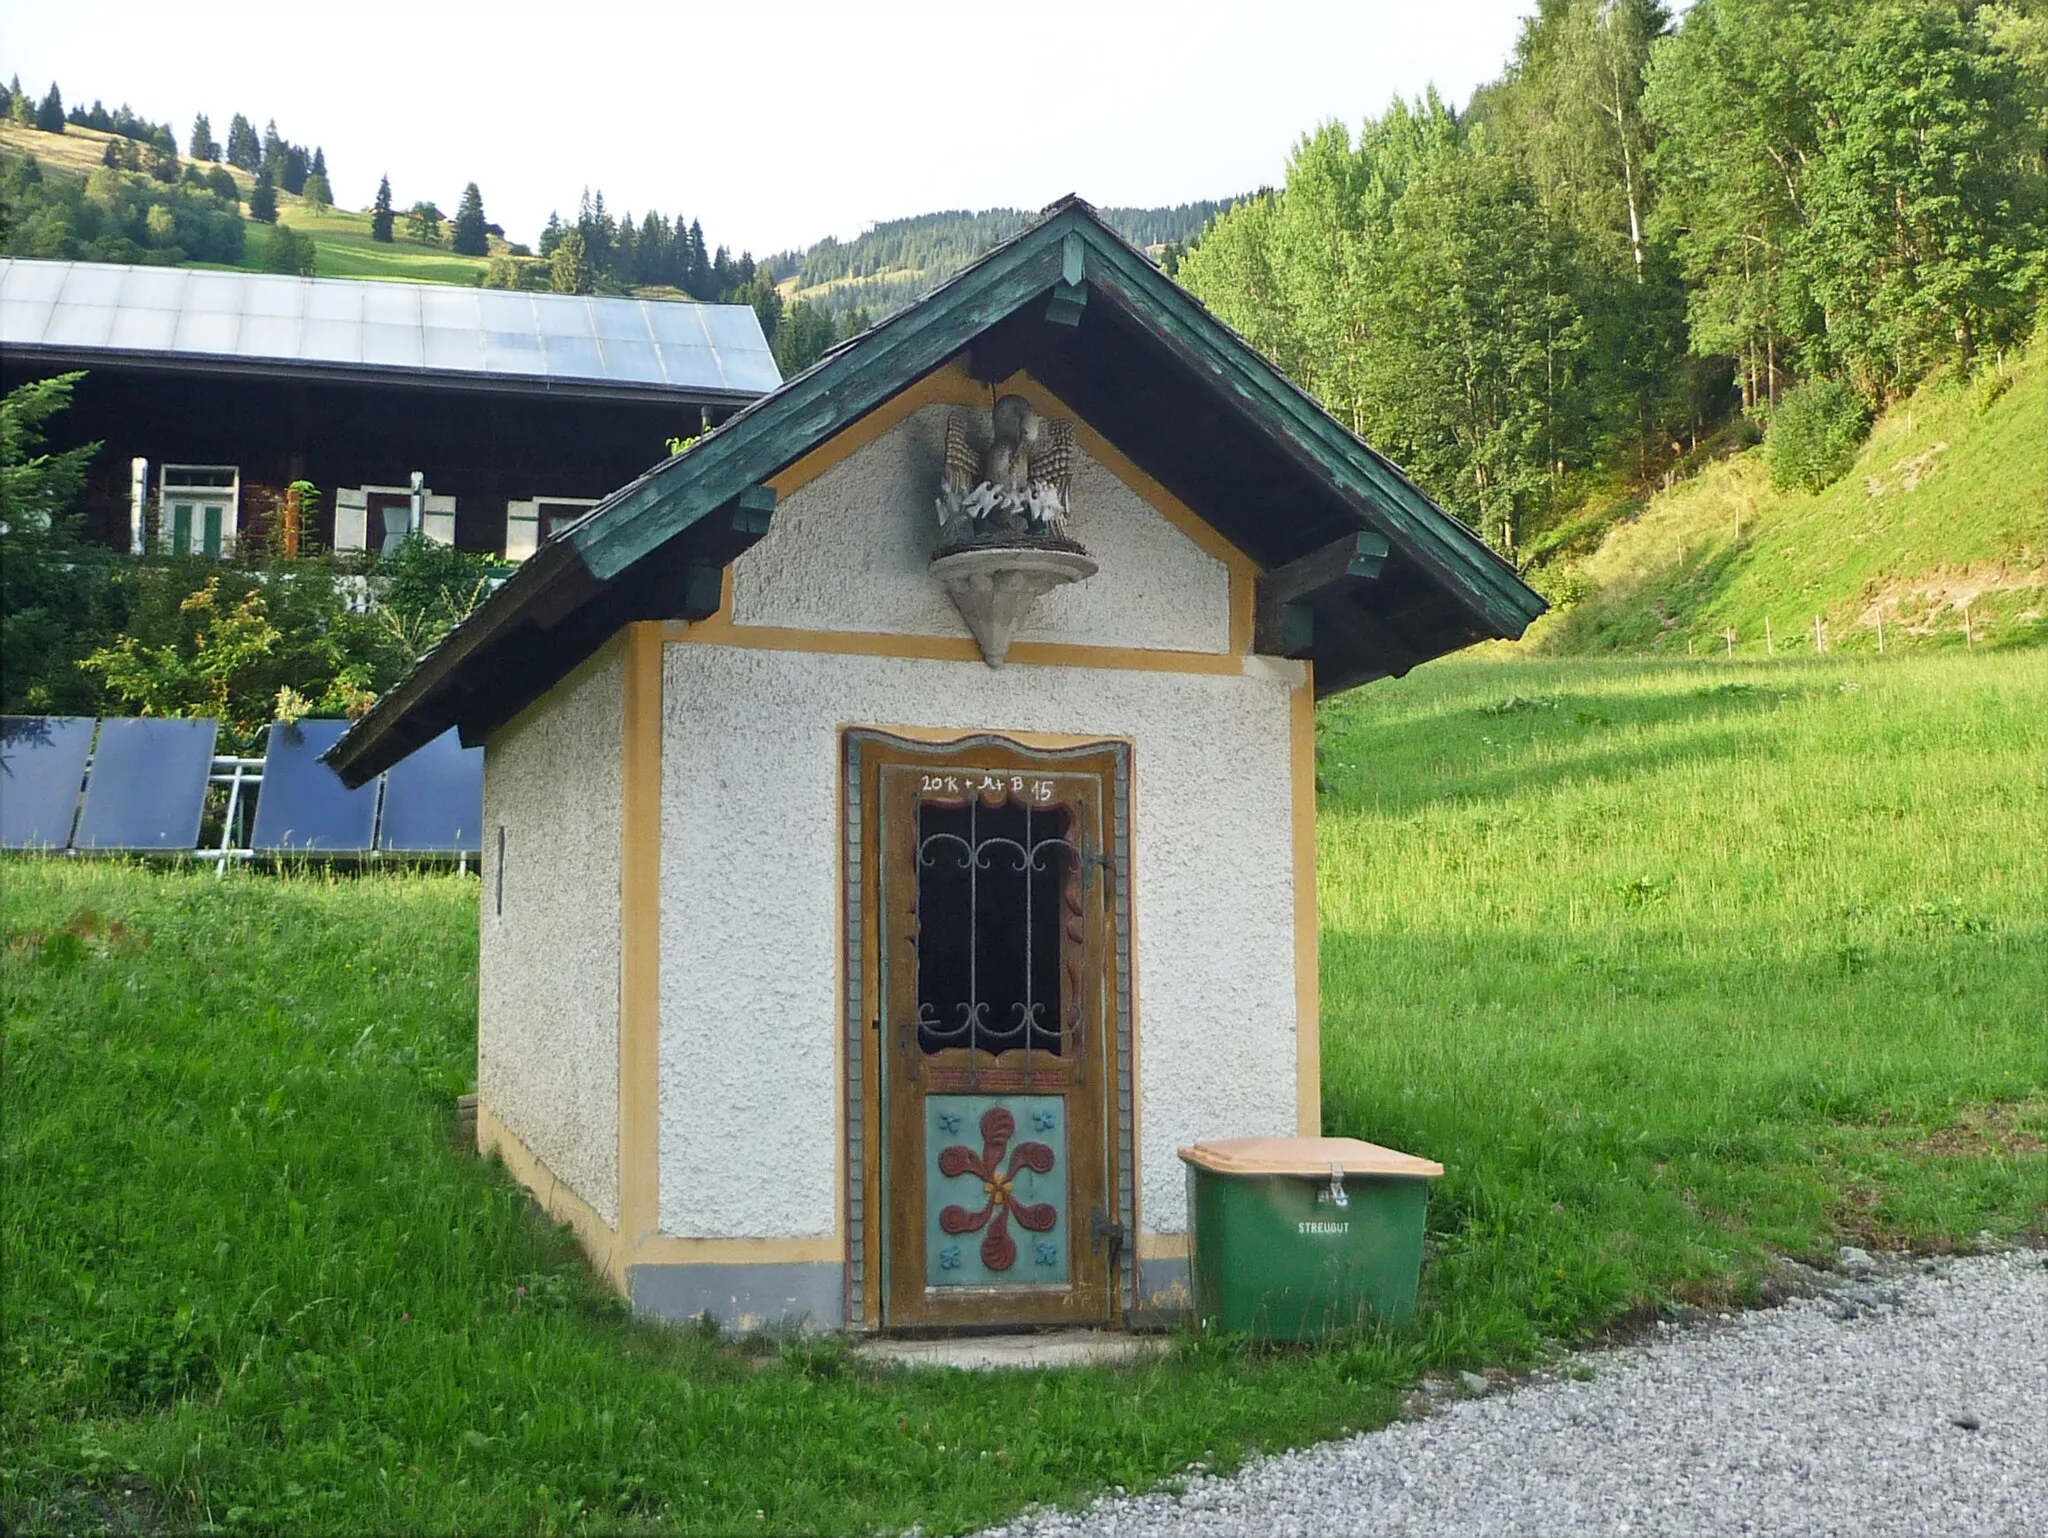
{"x": 1335, "y": 1195}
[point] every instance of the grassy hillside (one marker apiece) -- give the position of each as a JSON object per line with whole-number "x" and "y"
{"x": 342, "y": 236}
{"x": 345, "y": 249}
{"x": 1671, "y": 964}
{"x": 1945, "y": 511}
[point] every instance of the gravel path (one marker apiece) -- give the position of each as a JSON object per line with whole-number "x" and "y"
{"x": 1909, "y": 1400}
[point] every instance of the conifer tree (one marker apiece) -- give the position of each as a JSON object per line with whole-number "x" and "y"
{"x": 319, "y": 166}
{"x": 380, "y": 213}
{"x": 469, "y": 236}
{"x": 244, "y": 154}
{"x": 567, "y": 271}
{"x": 50, "y": 116}
{"x": 202, "y": 146}
{"x": 263, "y": 198}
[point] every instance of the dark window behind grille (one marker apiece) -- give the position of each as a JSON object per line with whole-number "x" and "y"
{"x": 992, "y": 911}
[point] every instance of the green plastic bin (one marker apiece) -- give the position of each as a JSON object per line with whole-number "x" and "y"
{"x": 1294, "y": 1237}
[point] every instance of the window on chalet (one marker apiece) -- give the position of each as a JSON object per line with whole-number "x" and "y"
{"x": 529, "y": 524}
{"x": 199, "y": 509}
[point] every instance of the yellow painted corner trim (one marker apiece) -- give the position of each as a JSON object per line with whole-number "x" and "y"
{"x": 1308, "y": 990}
{"x": 640, "y": 937}
{"x": 599, "y": 1239}
{"x": 1162, "y": 1246}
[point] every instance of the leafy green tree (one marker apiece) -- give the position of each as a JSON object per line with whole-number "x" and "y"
{"x": 469, "y": 236}
{"x": 50, "y": 115}
{"x": 1925, "y": 237}
{"x": 1814, "y": 435}
{"x": 317, "y": 192}
{"x": 423, "y": 223}
{"x": 60, "y": 595}
{"x": 568, "y": 273}
{"x": 221, "y": 184}
{"x": 1735, "y": 98}
{"x": 263, "y": 198}
{"x": 503, "y": 272}
{"x": 162, "y": 164}
{"x": 1472, "y": 381}
{"x": 244, "y": 152}
{"x": 289, "y": 251}
{"x": 240, "y": 645}
{"x": 201, "y": 146}
{"x": 380, "y": 213}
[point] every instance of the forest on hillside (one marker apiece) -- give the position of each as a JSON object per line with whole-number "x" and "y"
{"x": 893, "y": 262}
{"x": 1771, "y": 215}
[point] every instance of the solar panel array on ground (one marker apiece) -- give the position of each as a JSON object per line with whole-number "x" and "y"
{"x": 142, "y": 788}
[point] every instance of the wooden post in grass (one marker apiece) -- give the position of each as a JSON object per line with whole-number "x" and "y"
{"x": 1728, "y": 635}
{"x": 1880, "y": 630}
{"x": 1969, "y": 635}
{"x": 1770, "y": 644}
{"x": 1820, "y": 639}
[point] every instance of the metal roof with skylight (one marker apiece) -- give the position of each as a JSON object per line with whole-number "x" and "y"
{"x": 97, "y": 313}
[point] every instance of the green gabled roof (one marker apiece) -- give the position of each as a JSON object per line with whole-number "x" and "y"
{"x": 1139, "y": 357}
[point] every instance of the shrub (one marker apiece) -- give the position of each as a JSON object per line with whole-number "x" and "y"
{"x": 1814, "y": 434}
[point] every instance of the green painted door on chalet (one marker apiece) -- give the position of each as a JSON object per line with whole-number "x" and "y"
{"x": 995, "y": 1015}
{"x": 181, "y": 527}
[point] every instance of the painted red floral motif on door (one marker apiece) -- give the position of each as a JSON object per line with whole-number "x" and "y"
{"x": 998, "y": 1249}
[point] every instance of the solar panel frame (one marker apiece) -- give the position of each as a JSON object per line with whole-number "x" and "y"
{"x": 42, "y": 767}
{"x": 147, "y": 789}
{"x": 434, "y": 800}
{"x": 302, "y": 807}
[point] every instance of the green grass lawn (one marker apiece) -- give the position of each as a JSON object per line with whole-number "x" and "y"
{"x": 1946, "y": 508}
{"x": 344, "y": 249}
{"x": 1672, "y": 965}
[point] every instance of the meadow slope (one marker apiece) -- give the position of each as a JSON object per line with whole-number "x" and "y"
{"x": 1945, "y": 510}
{"x": 1673, "y": 965}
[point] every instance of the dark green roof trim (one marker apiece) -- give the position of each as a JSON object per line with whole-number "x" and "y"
{"x": 642, "y": 553}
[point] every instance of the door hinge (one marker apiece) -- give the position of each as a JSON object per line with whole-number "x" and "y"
{"x": 1103, "y": 1231}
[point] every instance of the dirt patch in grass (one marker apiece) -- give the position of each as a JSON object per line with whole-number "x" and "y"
{"x": 2002, "y": 1129}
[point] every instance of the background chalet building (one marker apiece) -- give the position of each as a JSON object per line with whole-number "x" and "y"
{"x": 485, "y": 417}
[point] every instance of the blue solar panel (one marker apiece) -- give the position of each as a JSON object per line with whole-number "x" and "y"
{"x": 42, "y": 764}
{"x": 303, "y": 804}
{"x": 148, "y": 785}
{"x": 434, "y": 800}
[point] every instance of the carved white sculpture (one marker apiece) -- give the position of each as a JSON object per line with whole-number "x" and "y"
{"x": 1018, "y": 489}
{"x": 1003, "y": 519}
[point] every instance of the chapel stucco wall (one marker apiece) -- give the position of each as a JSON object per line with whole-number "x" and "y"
{"x": 849, "y": 550}
{"x": 750, "y": 1129}
{"x": 548, "y": 1023}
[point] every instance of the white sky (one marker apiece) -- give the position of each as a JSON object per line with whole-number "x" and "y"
{"x": 776, "y": 124}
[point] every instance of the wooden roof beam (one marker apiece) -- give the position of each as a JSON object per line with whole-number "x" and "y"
{"x": 1283, "y": 622}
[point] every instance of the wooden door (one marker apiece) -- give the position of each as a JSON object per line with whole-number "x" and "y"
{"x": 994, "y": 878}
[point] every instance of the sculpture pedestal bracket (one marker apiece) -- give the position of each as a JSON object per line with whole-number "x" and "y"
{"x": 995, "y": 589}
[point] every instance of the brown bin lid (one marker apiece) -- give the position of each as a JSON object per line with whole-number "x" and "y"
{"x": 1306, "y": 1156}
